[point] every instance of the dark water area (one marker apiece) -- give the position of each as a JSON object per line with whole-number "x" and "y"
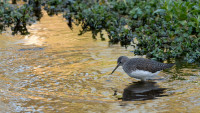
{"x": 55, "y": 70}
{"x": 142, "y": 91}
{"x": 33, "y": 49}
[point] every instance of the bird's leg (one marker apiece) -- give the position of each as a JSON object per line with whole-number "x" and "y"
{"x": 143, "y": 80}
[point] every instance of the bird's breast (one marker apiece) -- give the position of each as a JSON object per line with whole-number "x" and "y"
{"x": 141, "y": 74}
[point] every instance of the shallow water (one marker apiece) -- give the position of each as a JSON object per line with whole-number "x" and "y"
{"x": 55, "y": 70}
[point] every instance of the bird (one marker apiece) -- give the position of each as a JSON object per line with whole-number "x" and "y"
{"x": 141, "y": 68}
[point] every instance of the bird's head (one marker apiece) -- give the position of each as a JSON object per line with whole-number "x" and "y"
{"x": 120, "y": 62}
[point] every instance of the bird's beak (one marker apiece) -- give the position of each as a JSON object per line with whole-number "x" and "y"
{"x": 115, "y": 68}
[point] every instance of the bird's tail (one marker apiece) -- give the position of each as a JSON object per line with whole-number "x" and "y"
{"x": 169, "y": 65}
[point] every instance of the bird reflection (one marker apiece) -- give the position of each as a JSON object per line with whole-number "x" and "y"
{"x": 142, "y": 91}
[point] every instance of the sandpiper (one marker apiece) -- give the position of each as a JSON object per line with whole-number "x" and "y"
{"x": 141, "y": 68}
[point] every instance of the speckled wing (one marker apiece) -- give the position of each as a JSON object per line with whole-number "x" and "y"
{"x": 148, "y": 65}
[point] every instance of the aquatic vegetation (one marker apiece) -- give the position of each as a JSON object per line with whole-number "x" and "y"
{"x": 163, "y": 28}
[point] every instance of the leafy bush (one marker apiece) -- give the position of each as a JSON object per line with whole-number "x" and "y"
{"x": 164, "y": 28}
{"x": 17, "y": 17}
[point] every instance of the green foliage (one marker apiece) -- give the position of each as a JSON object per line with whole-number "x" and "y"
{"x": 164, "y": 28}
{"x": 178, "y": 31}
{"x": 16, "y": 17}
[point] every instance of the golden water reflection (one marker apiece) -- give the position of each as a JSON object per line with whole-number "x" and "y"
{"x": 55, "y": 70}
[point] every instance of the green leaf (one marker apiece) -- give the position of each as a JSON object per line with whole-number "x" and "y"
{"x": 161, "y": 11}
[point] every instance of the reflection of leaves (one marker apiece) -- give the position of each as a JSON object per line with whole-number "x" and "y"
{"x": 177, "y": 77}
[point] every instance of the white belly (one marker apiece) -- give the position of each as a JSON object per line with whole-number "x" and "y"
{"x": 143, "y": 75}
